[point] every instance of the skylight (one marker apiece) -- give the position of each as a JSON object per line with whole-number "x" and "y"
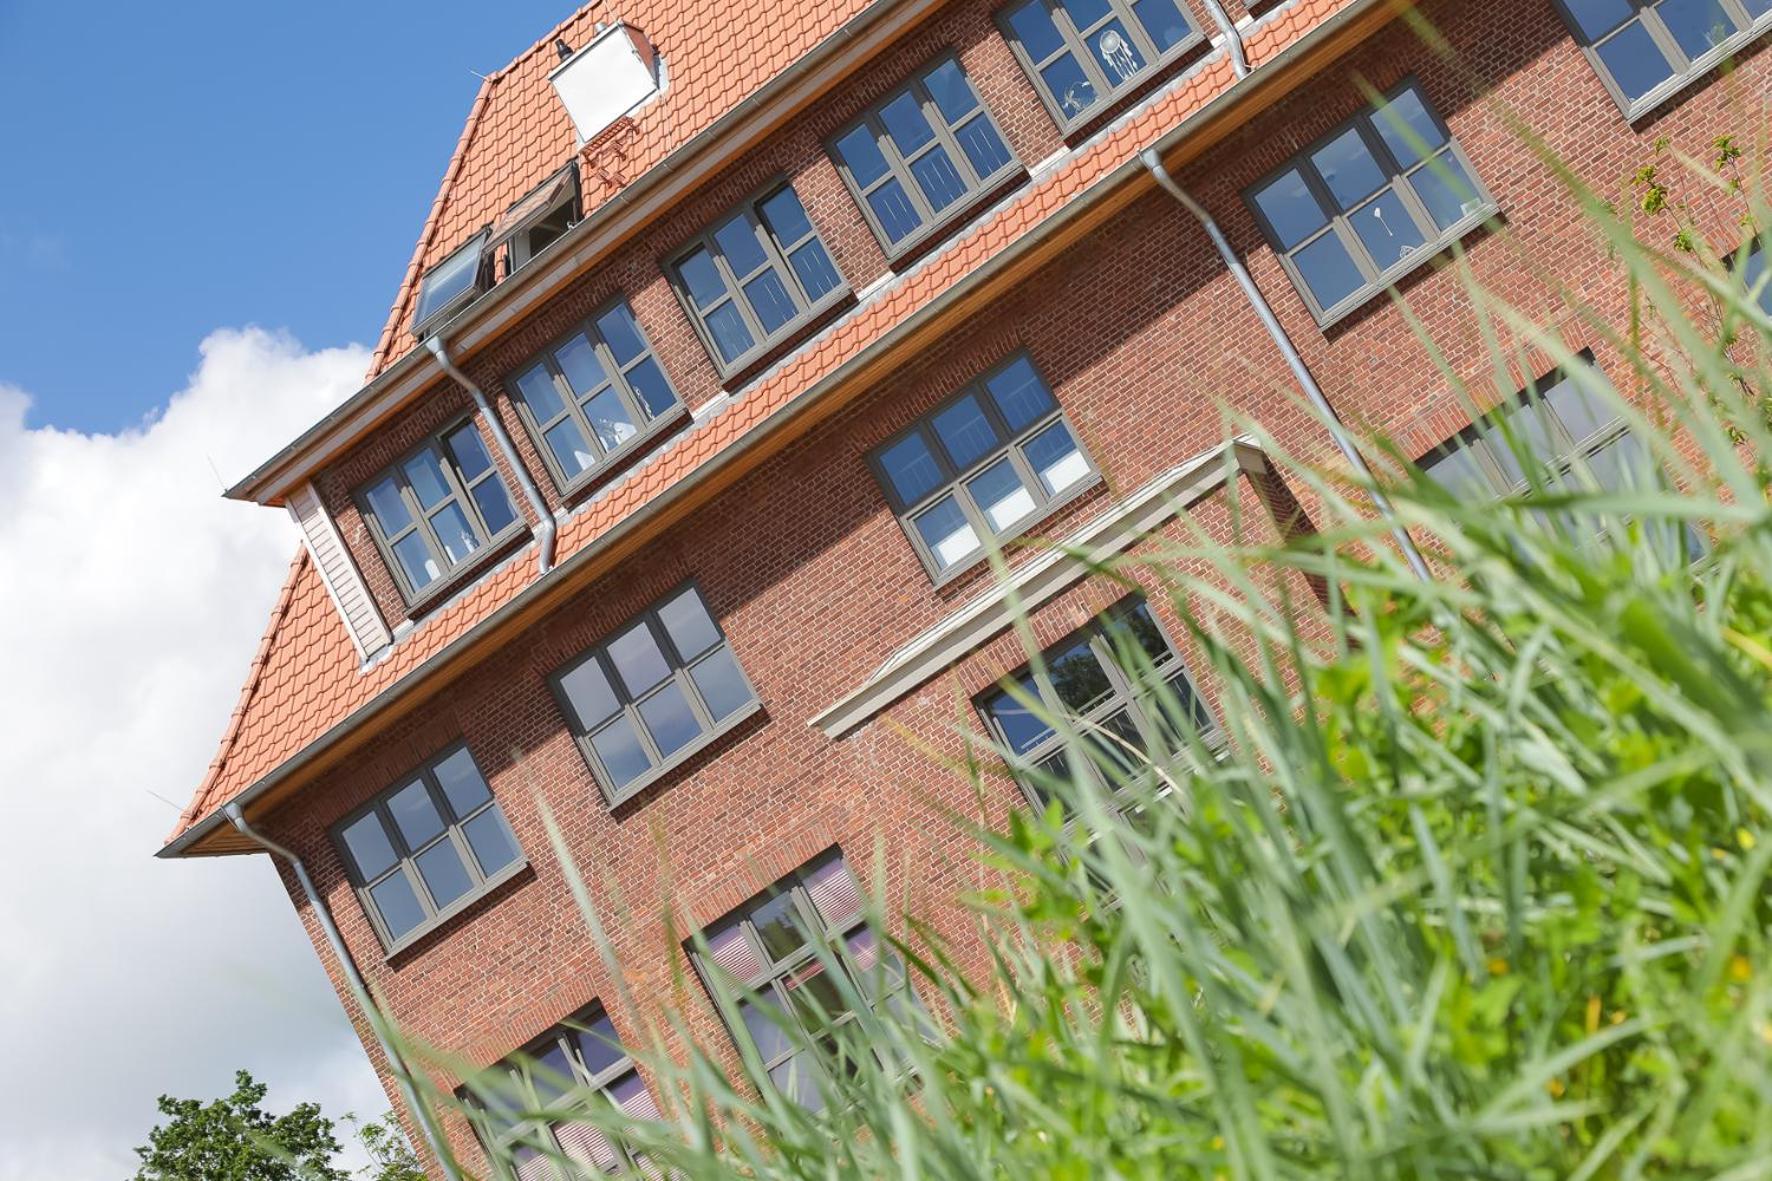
{"x": 450, "y": 284}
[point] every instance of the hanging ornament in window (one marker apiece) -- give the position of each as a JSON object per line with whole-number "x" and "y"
{"x": 1116, "y": 53}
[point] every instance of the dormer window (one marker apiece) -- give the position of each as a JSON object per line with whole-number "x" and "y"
{"x": 538, "y": 220}
{"x": 451, "y": 285}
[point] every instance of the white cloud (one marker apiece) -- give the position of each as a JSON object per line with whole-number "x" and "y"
{"x": 131, "y": 598}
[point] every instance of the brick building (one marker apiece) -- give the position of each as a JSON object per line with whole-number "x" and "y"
{"x": 738, "y": 334}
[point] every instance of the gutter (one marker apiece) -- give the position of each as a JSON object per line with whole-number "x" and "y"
{"x": 1131, "y": 171}
{"x": 544, "y": 519}
{"x": 420, "y": 1114}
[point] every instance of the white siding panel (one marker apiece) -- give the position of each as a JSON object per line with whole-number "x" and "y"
{"x": 343, "y": 581}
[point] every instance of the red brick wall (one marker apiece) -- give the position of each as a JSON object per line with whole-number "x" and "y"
{"x": 1148, "y": 345}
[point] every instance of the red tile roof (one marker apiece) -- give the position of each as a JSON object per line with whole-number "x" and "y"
{"x": 307, "y": 677}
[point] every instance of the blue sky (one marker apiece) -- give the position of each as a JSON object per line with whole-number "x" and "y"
{"x": 170, "y": 169}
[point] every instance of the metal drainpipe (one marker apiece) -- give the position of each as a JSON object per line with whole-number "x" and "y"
{"x": 1300, "y": 371}
{"x": 1233, "y": 40}
{"x": 359, "y": 990}
{"x": 544, "y": 519}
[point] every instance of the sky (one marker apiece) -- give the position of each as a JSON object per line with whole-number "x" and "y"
{"x": 204, "y": 210}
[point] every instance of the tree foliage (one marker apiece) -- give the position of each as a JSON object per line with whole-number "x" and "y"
{"x": 234, "y": 1139}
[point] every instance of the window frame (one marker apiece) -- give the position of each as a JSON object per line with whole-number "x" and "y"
{"x": 460, "y": 494}
{"x": 806, "y": 311}
{"x": 1107, "y": 96}
{"x": 1127, "y": 693}
{"x": 1646, "y": 13}
{"x": 954, "y": 479}
{"x": 461, "y": 299}
{"x": 711, "y": 730}
{"x": 651, "y": 426}
{"x": 516, "y": 1066}
{"x": 1397, "y": 181}
{"x": 978, "y": 188}
{"x": 513, "y": 239}
{"x": 481, "y": 883}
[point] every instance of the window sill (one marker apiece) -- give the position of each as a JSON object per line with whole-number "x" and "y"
{"x": 635, "y": 787}
{"x": 591, "y": 477}
{"x": 790, "y": 336}
{"x": 1469, "y": 223}
{"x": 489, "y": 554}
{"x": 946, "y": 578}
{"x": 1699, "y": 71}
{"x": 454, "y": 910}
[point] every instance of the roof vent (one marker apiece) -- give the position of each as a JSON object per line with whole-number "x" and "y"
{"x": 615, "y": 72}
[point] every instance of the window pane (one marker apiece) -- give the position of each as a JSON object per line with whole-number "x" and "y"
{"x": 835, "y": 893}
{"x": 584, "y": 370}
{"x": 652, "y": 388}
{"x": 586, "y": 1145}
{"x": 862, "y": 156}
{"x": 637, "y": 659}
{"x": 904, "y": 121}
{"x": 1348, "y": 168}
{"x": 1447, "y": 190}
{"x": 1525, "y": 432}
{"x": 448, "y": 279}
{"x": 892, "y": 206}
{"x": 397, "y": 905}
{"x": 631, "y": 1096}
{"x": 389, "y": 509}
{"x": 721, "y": 685}
{"x": 1033, "y": 27}
{"x": 1118, "y": 56}
{"x": 1753, "y": 274}
{"x": 816, "y": 996}
{"x": 965, "y": 431}
{"x": 551, "y": 1073}
{"x": 1291, "y": 209}
{"x": 444, "y": 874}
{"x": 818, "y": 277}
{"x": 1057, "y": 459}
{"x": 532, "y": 1165}
{"x": 414, "y": 554}
{"x": 689, "y": 625}
{"x": 731, "y": 336}
{"x": 621, "y": 333}
{"x": 369, "y": 846}
{"x": 1077, "y": 677}
{"x": 779, "y": 927}
{"x": 1456, "y": 470}
{"x": 455, "y": 532}
{"x": 414, "y": 814}
{"x": 1163, "y": 20}
{"x": 762, "y": 1017}
{"x": 946, "y": 532}
{"x": 670, "y": 721}
{"x": 598, "y": 1046}
{"x": 587, "y": 691}
{"x": 940, "y": 181}
{"x": 1084, "y": 13}
{"x": 1070, "y": 86}
{"x": 467, "y": 451}
{"x": 610, "y": 418}
{"x": 731, "y": 948}
{"x": 798, "y": 1081}
{"x": 786, "y": 217}
{"x": 738, "y": 240}
{"x": 1020, "y": 728}
{"x": 1582, "y": 413}
{"x": 951, "y": 90}
{"x": 910, "y": 468}
{"x": 1329, "y": 270}
{"x": 1020, "y": 394}
{"x": 702, "y": 278}
{"x": 1698, "y": 25}
{"x": 461, "y": 782}
{"x": 425, "y": 475}
{"x": 495, "y": 505}
{"x": 770, "y": 301}
{"x": 1388, "y": 231}
{"x": 490, "y": 839}
{"x": 1000, "y": 495}
{"x": 618, "y": 749}
{"x": 571, "y": 452}
{"x": 985, "y": 148}
{"x": 1596, "y": 18}
{"x": 1635, "y": 62}
{"x": 1403, "y": 123}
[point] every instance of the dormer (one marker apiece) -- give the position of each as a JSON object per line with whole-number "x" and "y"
{"x": 611, "y": 75}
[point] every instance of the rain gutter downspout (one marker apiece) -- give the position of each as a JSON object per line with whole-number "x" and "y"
{"x": 544, "y": 517}
{"x": 420, "y": 1114}
{"x": 1233, "y": 40}
{"x": 1300, "y": 371}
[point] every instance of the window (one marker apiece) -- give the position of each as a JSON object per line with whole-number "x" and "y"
{"x": 1752, "y": 266}
{"x": 574, "y": 1063}
{"x": 987, "y": 463}
{"x": 762, "y": 968}
{"x": 1378, "y": 197}
{"x": 436, "y": 508}
{"x": 663, "y": 688}
{"x": 1104, "y": 677}
{"x": 421, "y": 851}
{"x": 594, "y": 395}
{"x": 1081, "y": 52}
{"x": 433, "y": 510}
{"x": 915, "y": 159}
{"x": 1644, "y": 50}
{"x": 451, "y": 285}
{"x": 756, "y": 277}
{"x": 538, "y": 219}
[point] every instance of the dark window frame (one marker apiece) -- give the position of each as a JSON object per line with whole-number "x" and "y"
{"x": 932, "y": 224}
{"x": 1686, "y": 69}
{"x": 954, "y": 479}
{"x": 514, "y": 241}
{"x": 1108, "y": 95}
{"x": 405, "y": 858}
{"x": 1130, "y": 692}
{"x": 806, "y": 311}
{"x": 497, "y": 1143}
{"x": 461, "y": 494}
{"x": 711, "y": 730}
{"x": 461, "y": 299}
{"x": 1397, "y": 180}
{"x": 651, "y": 426}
